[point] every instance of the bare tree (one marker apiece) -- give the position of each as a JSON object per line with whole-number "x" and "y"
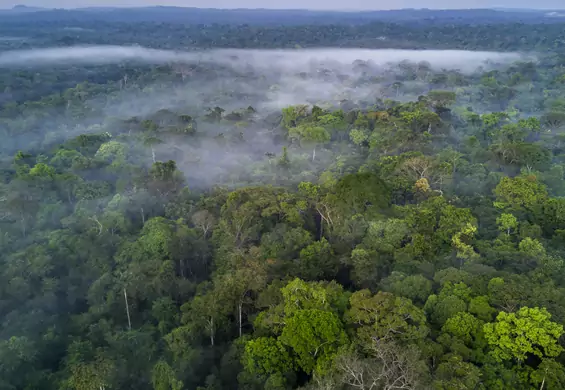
{"x": 390, "y": 367}
{"x": 420, "y": 165}
{"x": 204, "y": 220}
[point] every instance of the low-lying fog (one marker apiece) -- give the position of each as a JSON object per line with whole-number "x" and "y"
{"x": 295, "y": 60}
{"x": 267, "y": 80}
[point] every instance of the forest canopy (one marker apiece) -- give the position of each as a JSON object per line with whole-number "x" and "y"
{"x": 194, "y": 207}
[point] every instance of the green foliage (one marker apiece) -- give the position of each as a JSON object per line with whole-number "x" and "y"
{"x": 361, "y": 193}
{"x": 457, "y": 374}
{"x": 163, "y": 251}
{"x": 314, "y": 336}
{"x": 549, "y": 373}
{"x": 414, "y": 287}
{"x": 300, "y": 295}
{"x": 440, "y": 308}
{"x": 385, "y": 316}
{"x": 164, "y": 378}
{"x": 507, "y": 222}
{"x": 480, "y": 307}
{"x": 529, "y": 331}
{"x": 310, "y": 136}
{"x": 266, "y": 356}
{"x": 358, "y": 137}
{"x": 520, "y": 192}
{"x": 463, "y": 326}
{"x": 317, "y": 261}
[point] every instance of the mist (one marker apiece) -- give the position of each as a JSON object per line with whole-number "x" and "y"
{"x": 267, "y": 80}
{"x": 282, "y": 60}
{"x": 270, "y": 79}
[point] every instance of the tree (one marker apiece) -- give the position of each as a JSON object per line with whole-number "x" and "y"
{"x": 441, "y": 100}
{"x": 530, "y": 331}
{"x": 531, "y": 124}
{"x": 321, "y": 202}
{"x": 285, "y": 243}
{"x": 359, "y": 137}
{"x": 445, "y": 305}
{"x": 207, "y": 311}
{"x": 465, "y": 327}
{"x": 420, "y": 121}
{"x": 384, "y": 316}
{"x": 314, "y": 336}
{"x": 204, "y": 220}
{"x": 295, "y": 296}
{"x": 532, "y": 248}
{"x": 248, "y": 277}
{"x": 165, "y": 178}
{"x": 215, "y": 114}
{"x": 293, "y": 114}
{"x": 266, "y": 356}
{"x": 361, "y": 193}
{"x": 112, "y": 152}
{"x": 88, "y": 369}
{"x": 491, "y": 122}
{"x": 548, "y": 375}
{"x": 163, "y": 377}
{"x": 456, "y": 374}
{"x": 317, "y": 261}
{"x": 480, "y": 307}
{"x": 460, "y": 241}
{"x": 414, "y": 287}
{"x": 307, "y": 323}
{"x": 506, "y": 222}
{"x": 301, "y": 295}
{"x": 520, "y": 192}
{"x": 310, "y": 135}
{"x": 553, "y": 120}
{"x": 509, "y": 293}
{"x": 144, "y": 266}
{"x": 366, "y": 267}
{"x": 388, "y": 366}
{"x": 334, "y": 121}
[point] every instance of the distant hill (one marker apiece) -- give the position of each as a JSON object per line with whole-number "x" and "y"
{"x": 24, "y": 9}
{"x": 269, "y": 16}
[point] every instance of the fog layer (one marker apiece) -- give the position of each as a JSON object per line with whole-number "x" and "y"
{"x": 295, "y": 60}
{"x": 233, "y": 80}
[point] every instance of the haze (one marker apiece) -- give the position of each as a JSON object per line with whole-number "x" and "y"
{"x": 268, "y": 80}
{"x": 301, "y": 4}
{"x": 283, "y": 60}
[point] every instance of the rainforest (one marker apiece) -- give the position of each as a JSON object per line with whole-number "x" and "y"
{"x": 305, "y": 202}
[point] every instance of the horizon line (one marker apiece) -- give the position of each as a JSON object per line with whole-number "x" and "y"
{"x": 133, "y": 7}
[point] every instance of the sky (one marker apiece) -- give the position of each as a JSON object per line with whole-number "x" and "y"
{"x": 303, "y": 4}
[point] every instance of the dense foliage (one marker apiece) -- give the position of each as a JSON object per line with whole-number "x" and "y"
{"x": 167, "y": 227}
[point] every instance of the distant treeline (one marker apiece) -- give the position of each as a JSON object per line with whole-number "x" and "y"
{"x": 269, "y": 16}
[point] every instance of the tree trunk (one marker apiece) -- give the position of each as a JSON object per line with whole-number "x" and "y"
{"x": 127, "y": 308}
{"x": 23, "y": 223}
{"x": 321, "y": 230}
{"x": 212, "y": 331}
{"x": 239, "y": 314}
